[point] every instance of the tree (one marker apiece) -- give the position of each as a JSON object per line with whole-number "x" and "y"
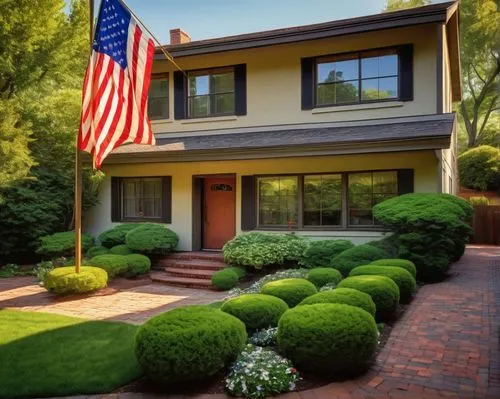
{"x": 479, "y": 168}
{"x": 393, "y": 5}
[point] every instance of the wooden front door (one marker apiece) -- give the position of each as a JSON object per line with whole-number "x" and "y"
{"x": 220, "y": 211}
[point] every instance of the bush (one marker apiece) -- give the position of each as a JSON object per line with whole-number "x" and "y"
{"x": 479, "y": 200}
{"x": 479, "y": 168}
{"x": 321, "y": 276}
{"x": 352, "y": 257}
{"x": 116, "y": 235}
{"x": 62, "y": 244}
{"x": 152, "y": 239}
{"x": 409, "y": 266}
{"x": 257, "y": 311}
{"x": 96, "y": 250}
{"x": 225, "y": 279}
{"x": 384, "y": 292}
{"x": 120, "y": 250}
{"x": 189, "y": 343}
{"x": 321, "y": 253}
{"x": 328, "y": 338}
{"x": 64, "y": 280}
{"x": 137, "y": 264}
{"x": 347, "y": 296}
{"x": 291, "y": 290}
{"x": 115, "y": 265}
{"x": 405, "y": 281}
{"x": 240, "y": 271}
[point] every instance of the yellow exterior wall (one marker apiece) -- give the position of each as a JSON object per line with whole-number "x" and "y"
{"x": 424, "y": 164}
{"x": 274, "y": 81}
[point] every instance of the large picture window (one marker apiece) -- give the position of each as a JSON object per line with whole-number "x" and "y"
{"x": 323, "y": 200}
{"x": 141, "y": 198}
{"x": 158, "y": 98}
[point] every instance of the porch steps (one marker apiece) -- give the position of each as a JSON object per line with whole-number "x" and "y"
{"x": 188, "y": 269}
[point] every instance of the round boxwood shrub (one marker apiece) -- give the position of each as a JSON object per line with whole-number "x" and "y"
{"x": 320, "y": 253}
{"x": 96, "y": 250}
{"x": 321, "y": 276}
{"x": 240, "y": 271}
{"x": 405, "y": 281}
{"x": 116, "y": 235}
{"x": 137, "y": 264}
{"x": 257, "y": 311}
{"x": 189, "y": 343}
{"x": 65, "y": 280}
{"x": 357, "y": 256}
{"x": 384, "y": 293}
{"x": 154, "y": 239}
{"x": 408, "y": 265}
{"x": 121, "y": 249}
{"x": 225, "y": 279}
{"x": 328, "y": 338}
{"x": 347, "y": 296}
{"x": 115, "y": 265}
{"x": 291, "y": 290}
{"x": 62, "y": 244}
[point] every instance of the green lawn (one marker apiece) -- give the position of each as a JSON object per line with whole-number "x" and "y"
{"x": 50, "y": 355}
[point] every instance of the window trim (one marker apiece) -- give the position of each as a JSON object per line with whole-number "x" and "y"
{"x": 158, "y": 76}
{"x": 355, "y": 55}
{"x": 124, "y": 180}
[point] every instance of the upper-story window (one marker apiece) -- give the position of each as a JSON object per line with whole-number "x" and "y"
{"x": 211, "y": 93}
{"x": 158, "y": 97}
{"x": 356, "y": 78}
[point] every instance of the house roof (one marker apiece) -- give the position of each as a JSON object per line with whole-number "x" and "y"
{"x": 376, "y": 135}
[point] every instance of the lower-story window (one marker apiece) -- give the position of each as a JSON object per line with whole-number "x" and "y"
{"x": 141, "y": 198}
{"x": 278, "y": 200}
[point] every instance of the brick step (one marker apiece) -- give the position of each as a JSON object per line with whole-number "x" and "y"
{"x": 194, "y": 273}
{"x": 210, "y": 256}
{"x": 164, "y": 278}
{"x": 191, "y": 264}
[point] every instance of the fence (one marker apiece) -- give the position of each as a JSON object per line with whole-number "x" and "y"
{"x": 486, "y": 224}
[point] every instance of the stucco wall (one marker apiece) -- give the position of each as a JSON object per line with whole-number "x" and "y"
{"x": 99, "y": 219}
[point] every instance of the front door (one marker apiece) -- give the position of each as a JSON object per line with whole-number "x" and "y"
{"x": 220, "y": 211}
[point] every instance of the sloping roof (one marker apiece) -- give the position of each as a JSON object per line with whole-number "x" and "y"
{"x": 430, "y": 131}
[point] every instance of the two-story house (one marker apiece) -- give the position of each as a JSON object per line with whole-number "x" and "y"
{"x": 299, "y": 129}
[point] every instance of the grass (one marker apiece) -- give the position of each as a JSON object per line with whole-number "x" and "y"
{"x": 51, "y": 355}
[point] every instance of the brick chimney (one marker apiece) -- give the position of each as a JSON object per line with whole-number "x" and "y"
{"x": 178, "y": 36}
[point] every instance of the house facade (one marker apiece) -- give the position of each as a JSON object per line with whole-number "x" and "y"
{"x": 300, "y": 129}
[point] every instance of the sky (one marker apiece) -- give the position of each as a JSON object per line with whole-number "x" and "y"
{"x": 204, "y": 19}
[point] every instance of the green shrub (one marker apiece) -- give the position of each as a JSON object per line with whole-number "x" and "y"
{"x": 352, "y": 257}
{"x": 96, "y": 250}
{"x": 405, "y": 281}
{"x": 408, "y": 265}
{"x": 116, "y": 235}
{"x": 137, "y": 264}
{"x": 64, "y": 280}
{"x": 479, "y": 200}
{"x": 321, "y": 253}
{"x": 152, "y": 239}
{"x": 62, "y": 244}
{"x": 121, "y": 249}
{"x": 240, "y": 271}
{"x": 115, "y": 265}
{"x": 479, "y": 168}
{"x": 388, "y": 244}
{"x": 328, "y": 338}
{"x": 384, "y": 292}
{"x": 321, "y": 276}
{"x": 189, "y": 343}
{"x": 291, "y": 290}
{"x": 225, "y": 279}
{"x": 347, "y": 296}
{"x": 257, "y": 311}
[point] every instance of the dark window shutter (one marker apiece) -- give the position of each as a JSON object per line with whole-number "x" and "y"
{"x": 116, "y": 199}
{"x": 406, "y": 72}
{"x": 405, "y": 181}
{"x": 240, "y": 89}
{"x": 166, "y": 199}
{"x": 307, "y": 65}
{"x": 180, "y": 99}
{"x": 248, "y": 203}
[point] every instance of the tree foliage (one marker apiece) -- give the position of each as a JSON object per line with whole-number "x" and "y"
{"x": 393, "y": 5}
{"x": 479, "y": 168}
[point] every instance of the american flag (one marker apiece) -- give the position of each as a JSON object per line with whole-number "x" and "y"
{"x": 116, "y": 85}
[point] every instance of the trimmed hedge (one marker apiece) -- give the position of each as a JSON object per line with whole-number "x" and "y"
{"x": 347, "y": 296}
{"x": 151, "y": 239}
{"x": 357, "y": 256}
{"x": 116, "y": 235}
{"x": 320, "y": 253}
{"x": 189, "y": 343}
{"x": 115, "y": 265}
{"x": 384, "y": 293}
{"x": 225, "y": 279}
{"x": 291, "y": 290}
{"x": 408, "y": 265}
{"x": 405, "y": 281}
{"x": 257, "y": 311}
{"x": 328, "y": 338}
{"x": 137, "y": 264}
{"x": 321, "y": 276}
{"x": 120, "y": 250}
{"x": 64, "y": 280}
{"x": 96, "y": 250}
{"x": 62, "y": 244}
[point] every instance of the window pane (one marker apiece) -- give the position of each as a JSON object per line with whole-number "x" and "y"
{"x": 224, "y": 103}
{"x": 369, "y": 67}
{"x": 388, "y": 65}
{"x": 369, "y": 89}
{"x": 312, "y": 200}
{"x": 278, "y": 201}
{"x": 346, "y": 92}
{"x": 322, "y": 200}
{"x": 149, "y": 189}
{"x": 360, "y": 198}
{"x": 141, "y": 198}
{"x": 158, "y": 88}
{"x": 360, "y": 217}
{"x": 388, "y": 87}
{"x": 199, "y": 106}
{"x": 385, "y": 182}
{"x": 326, "y": 72}
{"x": 346, "y": 70}
{"x": 198, "y": 85}
{"x": 222, "y": 82}
{"x": 325, "y": 94}
{"x": 158, "y": 107}
{"x": 148, "y": 210}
